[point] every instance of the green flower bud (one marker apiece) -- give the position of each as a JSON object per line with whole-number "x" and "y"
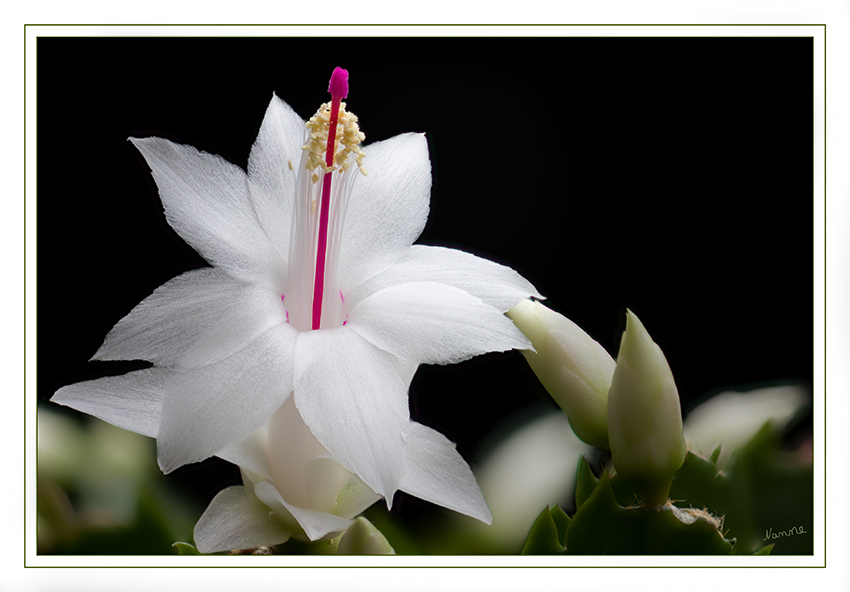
{"x": 574, "y": 368}
{"x": 362, "y": 538}
{"x": 644, "y": 416}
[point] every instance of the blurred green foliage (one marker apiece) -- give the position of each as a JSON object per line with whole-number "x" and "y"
{"x": 100, "y": 491}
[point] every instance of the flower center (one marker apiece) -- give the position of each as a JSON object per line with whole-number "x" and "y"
{"x": 332, "y": 144}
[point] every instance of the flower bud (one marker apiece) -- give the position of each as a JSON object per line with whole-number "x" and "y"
{"x": 362, "y": 538}
{"x": 574, "y": 368}
{"x": 644, "y": 416}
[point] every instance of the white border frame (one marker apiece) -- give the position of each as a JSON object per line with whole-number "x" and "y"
{"x": 519, "y": 578}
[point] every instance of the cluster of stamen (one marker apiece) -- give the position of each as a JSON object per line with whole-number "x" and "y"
{"x": 347, "y": 141}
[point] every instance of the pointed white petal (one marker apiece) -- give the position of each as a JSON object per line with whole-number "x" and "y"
{"x": 132, "y": 401}
{"x": 408, "y": 369}
{"x": 388, "y": 208}
{"x": 353, "y": 398}
{"x": 272, "y": 183}
{"x": 210, "y": 408}
{"x": 433, "y": 324}
{"x": 316, "y": 525}
{"x": 200, "y": 317}
{"x": 237, "y": 519}
{"x": 434, "y": 471}
{"x": 305, "y": 473}
{"x": 291, "y": 446}
{"x": 495, "y": 284}
{"x": 206, "y": 201}
{"x": 250, "y": 454}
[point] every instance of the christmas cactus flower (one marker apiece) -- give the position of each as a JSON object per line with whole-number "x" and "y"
{"x": 315, "y": 302}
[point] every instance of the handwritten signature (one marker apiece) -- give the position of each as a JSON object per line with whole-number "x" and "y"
{"x": 770, "y": 535}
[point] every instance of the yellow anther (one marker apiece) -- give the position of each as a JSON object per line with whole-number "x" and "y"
{"x": 347, "y": 141}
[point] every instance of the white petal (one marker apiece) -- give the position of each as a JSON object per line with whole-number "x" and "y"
{"x": 237, "y": 519}
{"x": 305, "y": 473}
{"x": 250, "y": 454}
{"x": 206, "y": 201}
{"x": 316, "y": 525}
{"x": 272, "y": 183}
{"x": 132, "y": 401}
{"x": 291, "y": 446}
{"x": 495, "y": 284}
{"x": 353, "y": 398}
{"x": 433, "y": 323}
{"x": 200, "y": 317}
{"x": 210, "y": 408}
{"x": 388, "y": 208}
{"x": 434, "y": 471}
{"x": 351, "y": 498}
{"x": 408, "y": 369}
{"x": 324, "y": 479}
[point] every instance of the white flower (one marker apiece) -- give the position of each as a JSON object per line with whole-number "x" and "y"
{"x": 231, "y": 343}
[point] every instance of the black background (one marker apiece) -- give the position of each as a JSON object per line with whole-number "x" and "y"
{"x": 672, "y": 176}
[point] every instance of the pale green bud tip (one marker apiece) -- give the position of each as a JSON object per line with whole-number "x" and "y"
{"x": 525, "y": 316}
{"x": 362, "y": 538}
{"x": 644, "y": 415}
{"x": 573, "y": 368}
